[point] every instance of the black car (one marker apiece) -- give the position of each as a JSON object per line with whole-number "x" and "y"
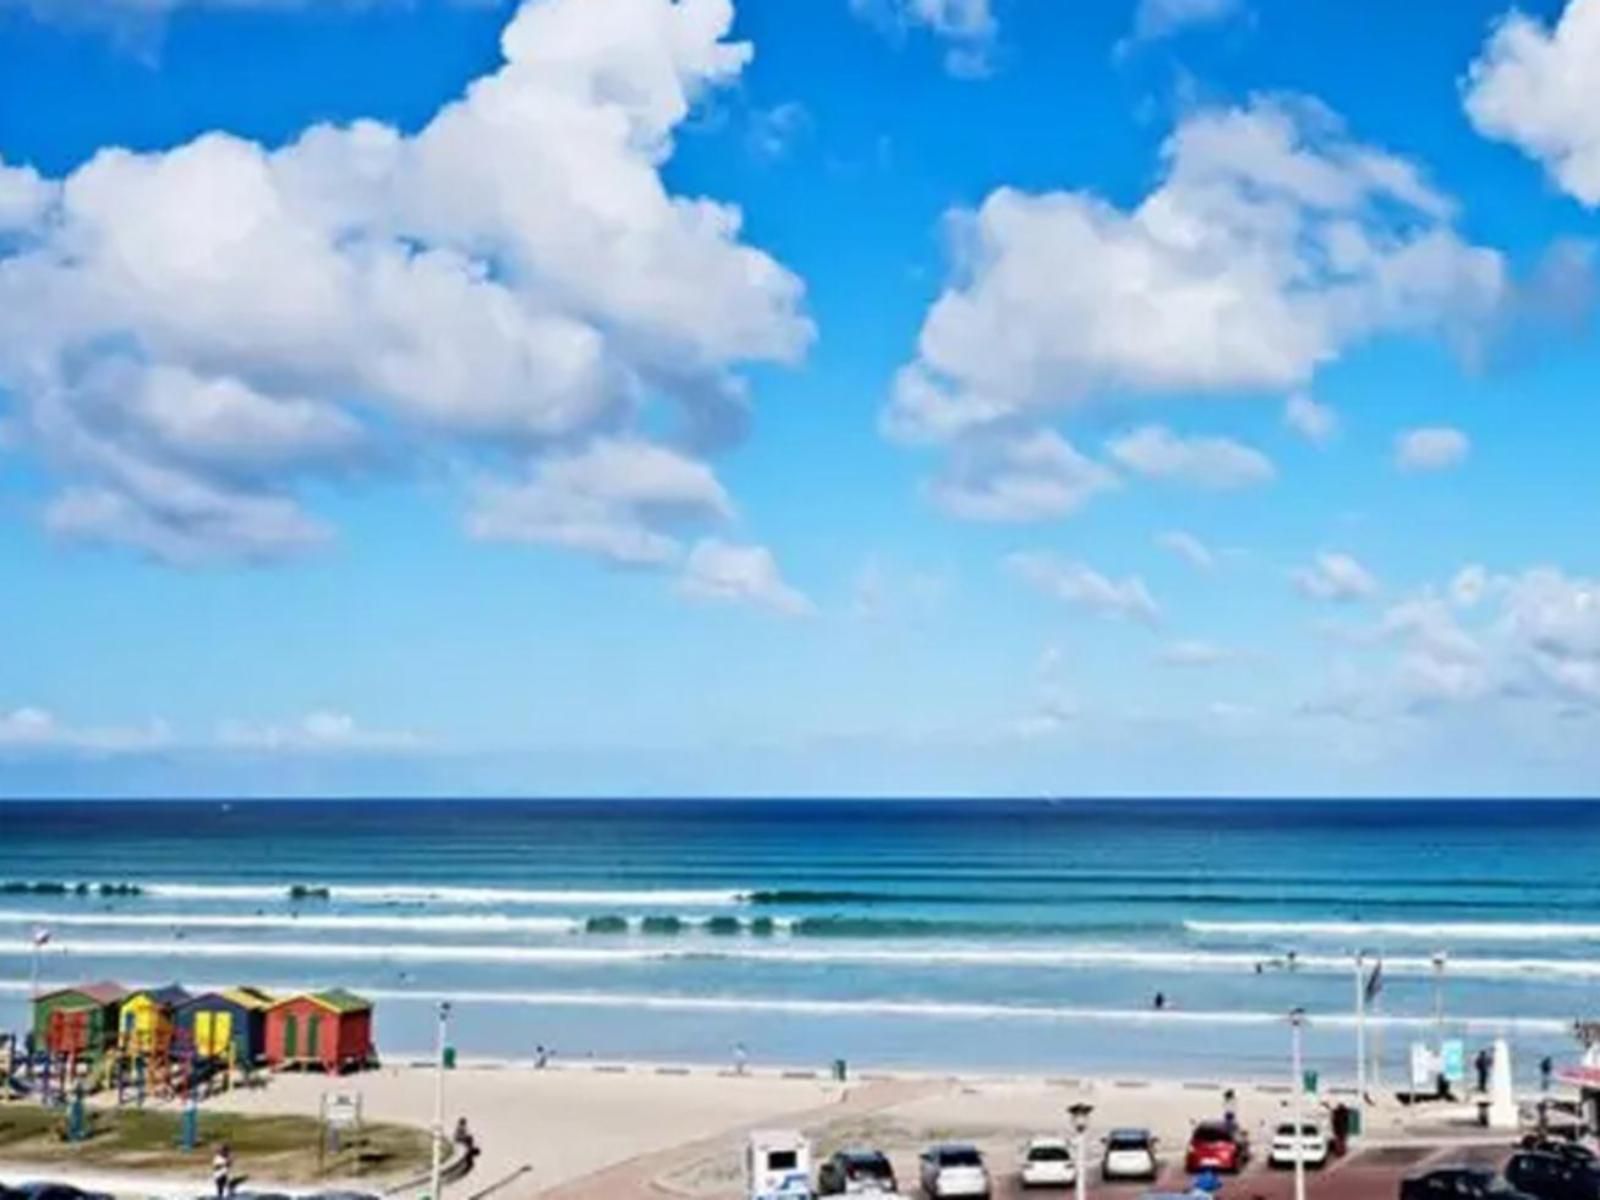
{"x": 1554, "y": 1176}
{"x": 1459, "y": 1183}
{"x": 53, "y": 1191}
{"x": 1561, "y": 1147}
{"x": 855, "y": 1173}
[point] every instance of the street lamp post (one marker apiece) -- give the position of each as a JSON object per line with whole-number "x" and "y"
{"x": 1438, "y": 1000}
{"x": 436, "y": 1175}
{"x": 1297, "y": 1020}
{"x": 1080, "y": 1113}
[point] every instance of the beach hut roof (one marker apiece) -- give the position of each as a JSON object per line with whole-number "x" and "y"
{"x": 171, "y": 996}
{"x": 342, "y": 1001}
{"x": 249, "y": 997}
{"x": 104, "y": 992}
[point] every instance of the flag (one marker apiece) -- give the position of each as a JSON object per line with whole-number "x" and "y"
{"x": 1374, "y": 983}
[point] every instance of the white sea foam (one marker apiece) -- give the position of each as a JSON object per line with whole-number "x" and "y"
{"x": 487, "y": 923}
{"x": 923, "y": 1009}
{"x": 398, "y": 893}
{"x": 1430, "y": 931}
{"x": 902, "y": 957}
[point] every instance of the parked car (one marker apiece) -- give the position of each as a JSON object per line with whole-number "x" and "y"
{"x": 1217, "y": 1145}
{"x": 1047, "y": 1162}
{"x": 1130, "y": 1154}
{"x": 954, "y": 1170}
{"x": 1551, "y": 1176}
{"x": 1569, "y": 1150}
{"x": 55, "y": 1191}
{"x": 857, "y": 1173}
{"x": 1459, "y": 1183}
{"x": 1308, "y": 1144}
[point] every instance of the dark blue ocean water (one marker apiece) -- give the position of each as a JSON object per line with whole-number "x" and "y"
{"x": 1024, "y": 936}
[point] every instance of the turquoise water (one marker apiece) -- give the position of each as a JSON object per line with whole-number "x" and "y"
{"x": 978, "y": 935}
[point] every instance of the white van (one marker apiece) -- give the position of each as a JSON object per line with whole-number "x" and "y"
{"x": 778, "y": 1166}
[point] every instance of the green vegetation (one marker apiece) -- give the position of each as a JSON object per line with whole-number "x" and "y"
{"x": 277, "y": 1147}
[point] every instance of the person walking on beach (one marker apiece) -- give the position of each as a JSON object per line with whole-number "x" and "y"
{"x": 222, "y": 1171}
{"x": 741, "y": 1058}
{"x": 1547, "y": 1068}
{"x": 1482, "y": 1062}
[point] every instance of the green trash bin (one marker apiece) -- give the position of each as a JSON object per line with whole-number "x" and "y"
{"x": 449, "y": 1058}
{"x": 1355, "y": 1122}
{"x": 841, "y": 1070}
{"x": 1309, "y": 1082}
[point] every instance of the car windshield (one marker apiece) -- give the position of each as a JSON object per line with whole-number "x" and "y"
{"x": 868, "y": 1166}
{"x": 782, "y": 1160}
{"x": 960, "y": 1156}
{"x": 1048, "y": 1154}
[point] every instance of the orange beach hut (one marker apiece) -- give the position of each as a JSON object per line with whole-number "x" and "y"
{"x": 329, "y": 1030}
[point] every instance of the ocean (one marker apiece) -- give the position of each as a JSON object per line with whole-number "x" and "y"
{"x": 1029, "y": 937}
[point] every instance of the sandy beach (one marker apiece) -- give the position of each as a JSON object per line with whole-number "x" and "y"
{"x": 585, "y": 1131}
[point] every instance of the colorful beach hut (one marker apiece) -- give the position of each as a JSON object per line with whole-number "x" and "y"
{"x": 331, "y": 1030}
{"x": 230, "y": 1024}
{"x": 78, "y": 1020}
{"x": 149, "y": 1019}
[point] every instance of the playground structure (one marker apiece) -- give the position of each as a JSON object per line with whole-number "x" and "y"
{"x": 162, "y": 1044}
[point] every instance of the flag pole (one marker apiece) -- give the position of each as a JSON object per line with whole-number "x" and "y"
{"x": 1361, "y": 1034}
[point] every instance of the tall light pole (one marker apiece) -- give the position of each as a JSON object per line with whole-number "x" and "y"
{"x": 1438, "y": 1001}
{"x": 438, "y": 1103}
{"x": 1297, "y": 1020}
{"x": 1361, "y": 1032}
{"x": 1080, "y": 1113}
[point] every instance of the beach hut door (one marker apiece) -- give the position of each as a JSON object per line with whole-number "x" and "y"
{"x": 313, "y": 1034}
{"x": 291, "y": 1036}
{"x": 221, "y": 1034}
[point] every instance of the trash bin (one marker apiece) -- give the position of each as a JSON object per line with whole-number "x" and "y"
{"x": 1355, "y": 1122}
{"x": 449, "y": 1058}
{"x": 841, "y": 1070}
{"x": 1308, "y": 1081}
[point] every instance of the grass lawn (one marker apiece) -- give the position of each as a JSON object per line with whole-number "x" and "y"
{"x": 282, "y": 1148}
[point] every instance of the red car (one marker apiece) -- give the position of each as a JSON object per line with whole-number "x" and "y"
{"x": 1217, "y": 1145}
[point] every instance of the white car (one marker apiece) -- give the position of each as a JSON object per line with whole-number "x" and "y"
{"x": 1309, "y": 1145}
{"x": 1130, "y": 1154}
{"x": 1047, "y": 1162}
{"x": 954, "y": 1170}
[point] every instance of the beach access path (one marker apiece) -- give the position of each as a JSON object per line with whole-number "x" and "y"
{"x": 537, "y": 1129}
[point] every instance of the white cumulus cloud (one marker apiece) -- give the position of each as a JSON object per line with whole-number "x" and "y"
{"x": 37, "y": 730}
{"x": 1195, "y": 653}
{"x": 1537, "y": 88}
{"x": 319, "y": 732}
{"x": 1163, "y": 18}
{"x": 1217, "y": 463}
{"x": 610, "y": 499}
{"x": 1435, "y": 448}
{"x": 1189, "y": 548}
{"x": 1272, "y": 243}
{"x": 968, "y": 27}
{"x": 734, "y": 574}
{"x": 1084, "y": 587}
{"x": 1336, "y": 577}
{"x": 1313, "y": 421}
{"x": 192, "y": 335}
{"x": 1008, "y": 476}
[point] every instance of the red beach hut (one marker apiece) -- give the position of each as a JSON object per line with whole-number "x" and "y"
{"x": 328, "y": 1030}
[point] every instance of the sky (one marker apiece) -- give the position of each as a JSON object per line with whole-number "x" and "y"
{"x": 749, "y": 397}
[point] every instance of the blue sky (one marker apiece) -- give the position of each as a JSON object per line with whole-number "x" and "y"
{"x": 902, "y": 396}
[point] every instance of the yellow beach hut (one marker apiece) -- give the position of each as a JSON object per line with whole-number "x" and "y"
{"x": 148, "y": 1020}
